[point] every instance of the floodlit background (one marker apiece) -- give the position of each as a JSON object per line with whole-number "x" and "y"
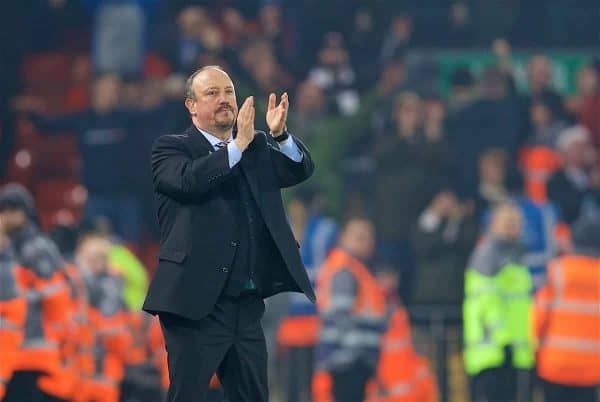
{"x": 420, "y": 115}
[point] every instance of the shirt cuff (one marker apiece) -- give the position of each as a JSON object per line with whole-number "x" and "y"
{"x": 291, "y": 150}
{"x": 234, "y": 154}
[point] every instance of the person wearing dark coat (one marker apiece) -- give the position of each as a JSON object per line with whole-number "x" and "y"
{"x": 225, "y": 240}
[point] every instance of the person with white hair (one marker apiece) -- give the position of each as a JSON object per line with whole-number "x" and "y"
{"x": 568, "y": 187}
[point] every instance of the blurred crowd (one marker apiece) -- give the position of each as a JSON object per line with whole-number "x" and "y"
{"x": 449, "y": 200}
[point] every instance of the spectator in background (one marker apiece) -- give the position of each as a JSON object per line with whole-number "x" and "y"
{"x": 196, "y": 35}
{"x": 444, "y": 237}
{"x": 119, "y": 35}
{"x": 490, "y": 122}
{"x": 567, "y": 321}
{"x": 459, "y": 32}
{"x": 397, "y": 39}
{"x": 353, "y": 312}
{"x": 462, "y": 90}
{"x": 539, "y": 77}
{"x": 310, "y": 108}
{"x": 335, "y": 75}
{"x": 411, "y": 167}
{"x": 360, "y": 43}
{"x": 105, "y": 137}
{"x": 547, "y": 122}
{"x": 498, "y": 350}
{"x": 568, "y": 187}
{"x": 492, "y": 189}
{"x": 277, "y": 33}
{"x": 586, "y": 104}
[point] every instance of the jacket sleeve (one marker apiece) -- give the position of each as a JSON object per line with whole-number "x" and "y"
{"x": 288, "y": 172}
{"x": 177, "y": 175}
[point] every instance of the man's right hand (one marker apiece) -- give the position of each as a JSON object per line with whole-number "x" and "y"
{"x": 245, "y": 124}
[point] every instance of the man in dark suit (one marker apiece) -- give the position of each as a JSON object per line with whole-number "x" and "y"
{"x": 225, "y": 240}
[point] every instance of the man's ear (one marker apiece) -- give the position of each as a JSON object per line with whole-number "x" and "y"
{"x": 189, "y": 104}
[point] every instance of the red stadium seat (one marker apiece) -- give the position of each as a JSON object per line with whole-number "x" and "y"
{"x": 45, "y": 68}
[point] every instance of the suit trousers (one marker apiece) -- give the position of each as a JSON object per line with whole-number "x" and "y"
{"x": 229, "y": 342}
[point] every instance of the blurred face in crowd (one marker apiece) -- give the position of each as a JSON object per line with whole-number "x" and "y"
{"x": 11, "y": 219}
{"x": 435, "y": 111}
{"x": 213, "y": 104}
{"x": 358, "y": 238}
{"x": 541, "y": 115}
{"x": 506, "y": 223}
{"x": 233, "y": 20}
{"x": 192, "y": 21}
{"x": 588, "y": 81}
{"x": 92, "y": 253}
{"x": 492, "y": 168}
{"x": 578, "y": 153}
{"x": 270, "y": 19}
{"x": 539, "y": 73}
{"x": 107, "y": 90}
{"x": 407, "y": 113}
{"x": 310, "y": 98}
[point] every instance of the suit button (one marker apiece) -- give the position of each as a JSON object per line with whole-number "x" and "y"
{"x": 225, "y": 269}
{"x": 233, "y": 244}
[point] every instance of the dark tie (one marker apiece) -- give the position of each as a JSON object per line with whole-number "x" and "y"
{"x": 220, "y": 145}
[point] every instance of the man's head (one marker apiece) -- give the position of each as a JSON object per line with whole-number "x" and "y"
{"x": 17, "y": 207}
{"x": 575, "y": 147}
{"x": 210, "y": 99}
{"x": 539, "y": 73}
{"x": 588, "y": 82}
{"x": 310, "y": 98}
{"x": 492, "y": 167}
{"x": 107, "y": 91}
{"x": 506, "y": 222}
{"x": 92, "y": 253}
{"x": 358, "y": 238}
{"x": 407, "y": 112}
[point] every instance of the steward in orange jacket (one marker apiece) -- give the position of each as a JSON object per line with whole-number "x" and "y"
{"x": 38, "y": 370}
{"x": 353, "y": 316}
{"x": 402, "y": 375}
{"x": 13, "y": 308}
{"x": 567, "y": 321}
{"x": 107, "y": 317}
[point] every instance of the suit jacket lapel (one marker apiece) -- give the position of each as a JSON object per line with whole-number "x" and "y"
{"x": 198, "y": 142}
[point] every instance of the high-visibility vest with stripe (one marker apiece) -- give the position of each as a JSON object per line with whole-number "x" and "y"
{"x": 497, "y": 314}
{"x": 13, "y": 308}
{"x": 369, "y": 306}
{"x": 370, "y": 300}
{"x": 567, "y": 322}
{"x": 402, "y": 375}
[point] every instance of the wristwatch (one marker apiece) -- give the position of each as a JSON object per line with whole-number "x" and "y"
{"x": 283, "y": 136}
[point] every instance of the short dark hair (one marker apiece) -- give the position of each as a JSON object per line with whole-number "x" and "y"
{"x": 189, "y": 91}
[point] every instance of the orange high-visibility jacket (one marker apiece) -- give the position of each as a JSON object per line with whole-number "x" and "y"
{"x": 538, "y": 164}
{"x": 369, "y": 306}
{"x": 402, "y": 375}
{"x": 567, "y": 322}
{"x": 13, "y": 308}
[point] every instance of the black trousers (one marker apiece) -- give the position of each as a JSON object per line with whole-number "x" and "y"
{"x": 562, "y": 393}
{"x": 22, "y": 387}
{"x": 298, "y": 367}
{"x": 229, "y": 342}
{"x": 502, "y": 384}
{"x": 349, "y": 383}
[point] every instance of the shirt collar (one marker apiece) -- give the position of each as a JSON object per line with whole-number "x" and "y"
{"x": 212, "y": 139}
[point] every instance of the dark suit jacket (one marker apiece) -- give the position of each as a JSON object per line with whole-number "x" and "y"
{"x": 198, "y": 228}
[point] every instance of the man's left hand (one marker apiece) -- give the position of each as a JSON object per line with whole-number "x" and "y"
{"x": 277, "y": 115}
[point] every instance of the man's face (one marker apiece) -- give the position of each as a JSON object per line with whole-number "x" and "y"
{"x": 11, "y": 219}
{"x": 359, "y": 238}
{"x": 92, "y": 254}
{"x": 107, "y": 90}
{"x": 214, "y": 107}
